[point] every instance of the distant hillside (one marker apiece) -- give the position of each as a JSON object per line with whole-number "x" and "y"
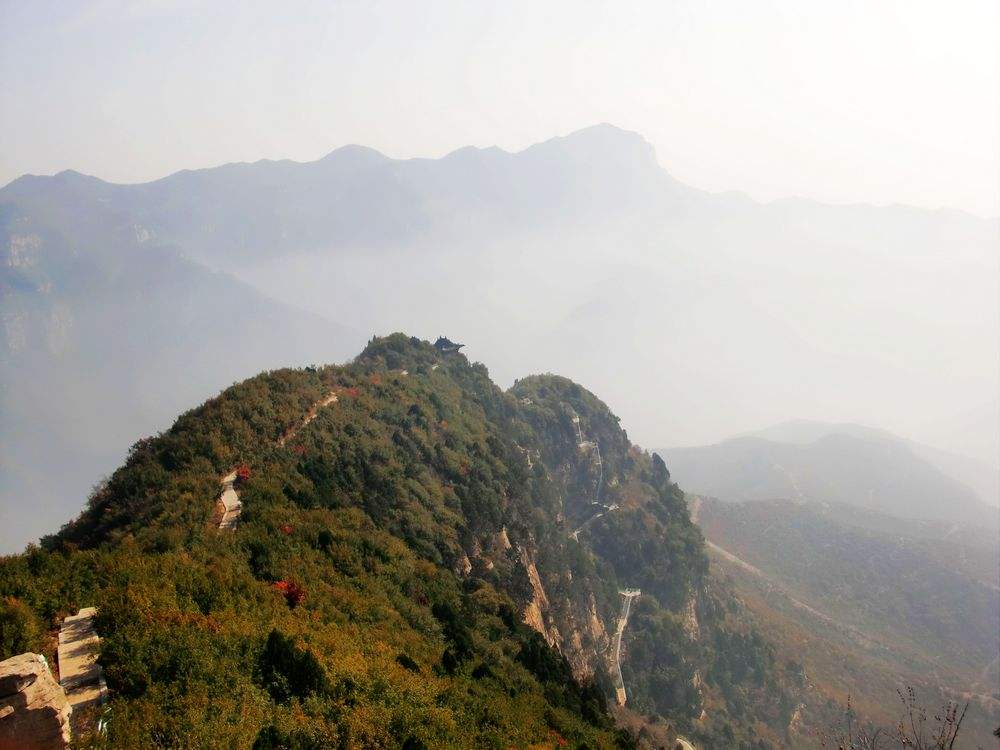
{"x": 580, "y": 254}
{"x": 858, "y": 467}
{"x": 107, "y": 339}
{"x": 421, "y": 560}
{"x": 355, "y": 198}
{"x": 980, "y": 476}
{"x": 869, "y": 602}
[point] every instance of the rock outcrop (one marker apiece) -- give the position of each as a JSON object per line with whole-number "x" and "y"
{"x": 537, "y": 609}
{"x": 34, "y": 711}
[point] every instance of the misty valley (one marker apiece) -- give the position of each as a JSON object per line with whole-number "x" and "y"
{"x": 529, "y": 448}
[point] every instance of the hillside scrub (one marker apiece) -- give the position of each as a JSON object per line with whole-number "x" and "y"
{"x": 414, "y": 535}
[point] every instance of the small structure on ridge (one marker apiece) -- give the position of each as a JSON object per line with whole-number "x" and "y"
{"x": 446, "y": 346}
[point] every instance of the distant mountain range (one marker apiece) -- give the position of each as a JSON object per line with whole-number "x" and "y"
{"x": 839, "y": 463}
{"x": 103, "y": 342}
{"x": 697, "y": 312}
{"x": 356, "y": 198}
{"x": 980, "y": 476}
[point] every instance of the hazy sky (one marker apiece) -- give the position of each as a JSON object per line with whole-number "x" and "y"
{"x": 876, "y": 100}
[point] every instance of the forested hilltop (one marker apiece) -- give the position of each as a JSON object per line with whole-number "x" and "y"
{"x": 420, "y": 560}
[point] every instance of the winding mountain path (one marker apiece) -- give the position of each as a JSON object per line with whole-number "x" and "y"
{"x": 694, "y": 509}
{"x": 230, "y": 496}
{"x": 330, "y": 398}
{"x": 607, "y": 509}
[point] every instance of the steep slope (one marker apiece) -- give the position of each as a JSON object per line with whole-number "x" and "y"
{"x": 879, "y": 473}
{"x": 691, "y": 654}
{"x": 388, "y": 550}
{"x": 869, "y": 603}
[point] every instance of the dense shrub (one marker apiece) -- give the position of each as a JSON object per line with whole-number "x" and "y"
{"x": 20, "y": 629}
{"x": 286, "y": 670}
{"x": 376, "y": 511}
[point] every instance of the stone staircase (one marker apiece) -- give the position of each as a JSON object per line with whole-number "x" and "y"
{"x": 80, "y": 675}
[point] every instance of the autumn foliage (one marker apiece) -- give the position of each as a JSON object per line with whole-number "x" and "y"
{"x": 293, "y": 593}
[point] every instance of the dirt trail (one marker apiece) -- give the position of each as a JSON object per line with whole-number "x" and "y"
{"x": 230, "y": 496}
{"x": 80, "y": 675}
{"x": 330, "y": 398}
{"x": 725, "y": 554}
{"x": 694, "y": 507}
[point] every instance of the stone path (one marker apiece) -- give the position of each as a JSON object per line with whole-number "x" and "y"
{"x": 592, "y": 447}
{"x": 629, "y": 595}
{"x": 79, "y": 673}
{"x": 230, "y": 500}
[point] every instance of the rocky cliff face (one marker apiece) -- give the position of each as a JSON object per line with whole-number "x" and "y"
{"x": 34, "y": 712}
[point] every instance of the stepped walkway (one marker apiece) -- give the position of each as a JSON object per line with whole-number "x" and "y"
{"x": 80, "y": 676}
{"x": 230, "y": 500}
{"x": 628, "y": 595}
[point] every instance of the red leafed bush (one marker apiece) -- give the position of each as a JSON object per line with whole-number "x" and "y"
{"x": 299, "y": 450}
{"x": 352, "y": 392}
{"x": 242, "y": 473}
{"x": 287, "y": 529}
{"x": 293, "y": 593}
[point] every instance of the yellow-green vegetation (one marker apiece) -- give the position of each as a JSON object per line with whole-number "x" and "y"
{"x": 867, "y": 611}
{"x": 364, "y": 600}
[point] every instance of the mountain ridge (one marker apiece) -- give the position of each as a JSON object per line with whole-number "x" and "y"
{"x": 820, "y": 462}
{"x": 972, "y": 472}
{"x": 573, "y": 139}
{"x": 423, "y": 497}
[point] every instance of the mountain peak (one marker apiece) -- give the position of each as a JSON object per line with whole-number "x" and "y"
{"x": 604, "y": 138}
{"x": 355, "y": 155}
{"x": 28, "y": 183}
{"x": 603, "y": 154}
{"x": 72, "y": 177}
